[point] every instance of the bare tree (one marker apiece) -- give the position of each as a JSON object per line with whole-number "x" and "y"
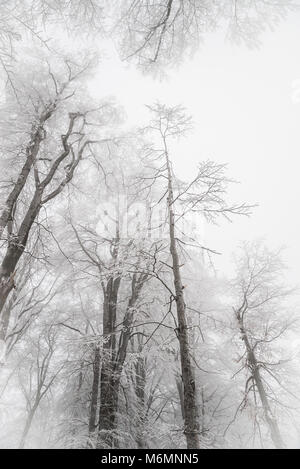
{"x": 116, "y": 336}
{"x": 42, "y": 375}
{"x": 263, "y": 318}
{"x": 164, "y": 33}
{"x": 204, "y": 195}
{"x": 140, "y": 360}
{"x": 51, "y": 170}
{"x": 33, "y": 295}
{"x": 155, "y": 34}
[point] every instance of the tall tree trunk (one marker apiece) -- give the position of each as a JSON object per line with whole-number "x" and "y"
{"x": 108, "y": 406}
{"x": 13, "y": 254}
{"x": 107, "y": 386}
{"x": 140, "y": 394}
{"x": 256, "y": 377}
{"x": 179, "y": 386}
{"x": 191, "y": 418}
{"x": 111, "y": 373}
{"x": 7, "y": 273}
{"x": 95, "y": 391}
{"x": 4, "y": 324}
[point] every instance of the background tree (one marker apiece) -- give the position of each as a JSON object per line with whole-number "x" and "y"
{"x": 41, "y": 378}
{"x": 263, "y": 317}
{"x": 163, "y": 34}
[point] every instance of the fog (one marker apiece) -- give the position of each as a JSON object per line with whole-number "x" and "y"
{"x": 149, "y": 255}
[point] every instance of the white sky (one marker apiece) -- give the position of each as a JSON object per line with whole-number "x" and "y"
{"x": 246, "y": 110}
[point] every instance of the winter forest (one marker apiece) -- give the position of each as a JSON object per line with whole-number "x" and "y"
{"x": 148, "y": 224}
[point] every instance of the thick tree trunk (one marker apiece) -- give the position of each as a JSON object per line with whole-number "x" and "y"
{"x": 140, "y": 394}
{"x": 179, "y": 386}
{"x": 4, "y": 322}
{"x": 7, "y": 270}
{"x": 191, "y": 418}
{"x": 95, "y": 391}
{"x": 107, "y": 415}
{"x": 111, "y": 372}
{"x": 127, "y": 328}
{"x": 254, "y": 367}
{"x": 13, "y": 254}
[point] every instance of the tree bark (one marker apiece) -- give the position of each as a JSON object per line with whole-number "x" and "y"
{"x": 180, "y": 394}
{"x": 111, "y": 373}
{"x": 32, "y": 151}
{"x": 256, "y": 376}
{"x": 95, "y": 391}
{"x": 140, "y": 394}
{"x": 107, "y": 385}
{"x": 13, "y": 254}
{"x": 191, "y": 418}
